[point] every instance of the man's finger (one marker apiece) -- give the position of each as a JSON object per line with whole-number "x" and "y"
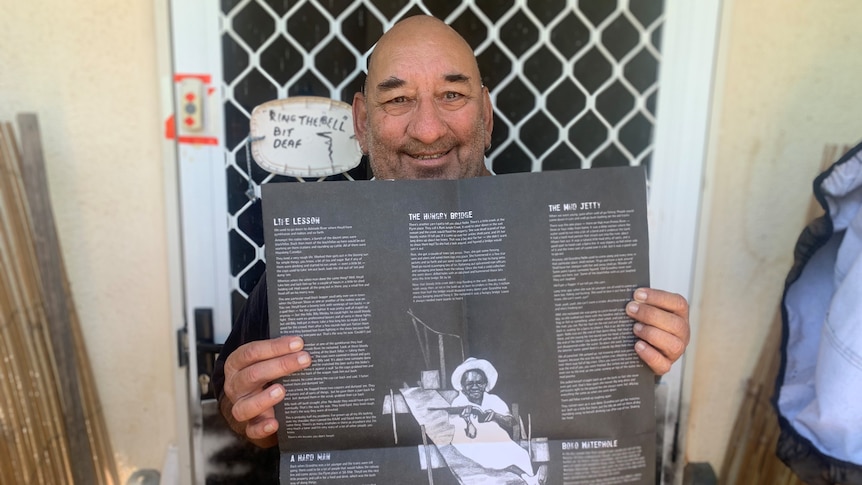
{"x": 261, "y": 427}
{"x": 660, "y": 318}
{"x": 653, "y": 358}
{"x": 261, "y": 350}
{"x": 254, "y": 377}
{"x": 668, "y": 344}
{"x": 665, "y": 300}
{"x": 257, "y": 405}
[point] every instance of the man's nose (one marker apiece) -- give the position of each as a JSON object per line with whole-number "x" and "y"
{"x": 426, "y": 125}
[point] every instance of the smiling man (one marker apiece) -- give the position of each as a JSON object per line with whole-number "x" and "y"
{"x": 424, "y": 113}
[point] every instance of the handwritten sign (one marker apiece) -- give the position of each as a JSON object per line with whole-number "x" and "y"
{"x": 304, "y": 136}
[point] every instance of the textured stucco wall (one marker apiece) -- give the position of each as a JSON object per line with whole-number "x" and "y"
{"x": 788, "y": 86}
{"x": 88, "y": 69}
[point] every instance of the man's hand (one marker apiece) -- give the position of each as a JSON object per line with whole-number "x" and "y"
{"x": 662, "y": 327}
{"x": 249, "y": 391}
{"x": 468, "y": 411}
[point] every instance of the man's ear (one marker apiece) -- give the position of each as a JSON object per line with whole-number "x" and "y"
{"x": 360, "y": 120}
{"x": 489, "y": 116}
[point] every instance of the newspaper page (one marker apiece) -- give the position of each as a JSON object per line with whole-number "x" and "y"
{"x": 463, "y": 332}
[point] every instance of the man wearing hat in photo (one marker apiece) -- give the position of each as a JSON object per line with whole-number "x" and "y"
{"x": 483, "y": 428}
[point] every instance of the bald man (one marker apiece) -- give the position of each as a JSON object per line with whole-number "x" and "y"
{"x": 424, "y": 113}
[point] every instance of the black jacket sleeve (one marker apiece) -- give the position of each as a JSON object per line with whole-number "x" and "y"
{"x": 251, "y": 324}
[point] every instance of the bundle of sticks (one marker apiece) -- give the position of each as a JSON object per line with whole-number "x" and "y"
{"x": 51, "y": 423}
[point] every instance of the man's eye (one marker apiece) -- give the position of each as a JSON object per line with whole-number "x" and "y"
{"x": 398, "y": 105}
{"x": 453, "y": 100}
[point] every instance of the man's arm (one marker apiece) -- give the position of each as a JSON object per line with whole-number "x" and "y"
{"x": 505, "y": 421}
{"x": 662, "y": 327}
{"x": 250, "y": 395}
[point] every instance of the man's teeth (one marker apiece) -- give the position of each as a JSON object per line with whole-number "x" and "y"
{"x": 428, "y": 157}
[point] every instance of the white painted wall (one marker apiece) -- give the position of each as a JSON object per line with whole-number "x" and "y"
{"x": 787, "y": 86}
{"x": 88, "y": 69}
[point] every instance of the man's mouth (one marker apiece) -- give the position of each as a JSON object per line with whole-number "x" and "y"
{"x": 429, "y": 156}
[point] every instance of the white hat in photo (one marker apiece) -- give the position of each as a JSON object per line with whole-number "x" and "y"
{"x": 473, "y": 363}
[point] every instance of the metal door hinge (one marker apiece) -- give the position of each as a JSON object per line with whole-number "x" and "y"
{"x": 183, "y": 347}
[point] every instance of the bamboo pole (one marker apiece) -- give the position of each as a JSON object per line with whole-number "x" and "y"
{"x": 42, "y": 387}
{"x": 33, "y": 378}
{"x": 14, "y": 362}
{"x": 54, "y": 299}
{"x": 56, "y": 451}
{"x": 12, "y": 439}
{"x": 13, "y": 308}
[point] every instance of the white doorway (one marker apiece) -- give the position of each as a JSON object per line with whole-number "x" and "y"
{"x": 575, "y": 86}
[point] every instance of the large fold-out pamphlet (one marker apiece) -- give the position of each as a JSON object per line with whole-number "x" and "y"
{"x": 463, "y": 332}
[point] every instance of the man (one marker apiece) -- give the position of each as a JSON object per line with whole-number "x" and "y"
{"x": 484, "y": 431}
{"x": 424, "y": 113}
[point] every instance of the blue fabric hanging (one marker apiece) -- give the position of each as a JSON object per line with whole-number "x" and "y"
{"x": 819, "y": 385}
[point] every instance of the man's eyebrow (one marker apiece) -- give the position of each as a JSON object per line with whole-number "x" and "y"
{"x": 393, "y": 82}
{"x": 390, "y": 83}
{"x": 456, "y": 78}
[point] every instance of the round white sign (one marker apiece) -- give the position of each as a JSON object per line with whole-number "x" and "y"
{"x": 304, "y": 136}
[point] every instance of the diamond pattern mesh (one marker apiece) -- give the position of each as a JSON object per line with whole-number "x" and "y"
{"x": 574, "y": 83}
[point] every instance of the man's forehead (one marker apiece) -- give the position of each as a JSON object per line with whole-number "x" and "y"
{"x": 422, "y": 44}
{"x": 434, "y": 61}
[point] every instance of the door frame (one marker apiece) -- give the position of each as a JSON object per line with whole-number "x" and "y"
{"x": 189, "y": 44}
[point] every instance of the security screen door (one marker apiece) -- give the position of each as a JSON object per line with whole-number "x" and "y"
{"x": 575, "y": 84}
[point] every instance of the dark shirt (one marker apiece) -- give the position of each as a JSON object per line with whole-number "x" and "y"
{"x": 251, "y": 324}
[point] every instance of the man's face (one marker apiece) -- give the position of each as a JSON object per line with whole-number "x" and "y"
{"x": 473, "y": 384}
{"x": 425, "y": 113}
